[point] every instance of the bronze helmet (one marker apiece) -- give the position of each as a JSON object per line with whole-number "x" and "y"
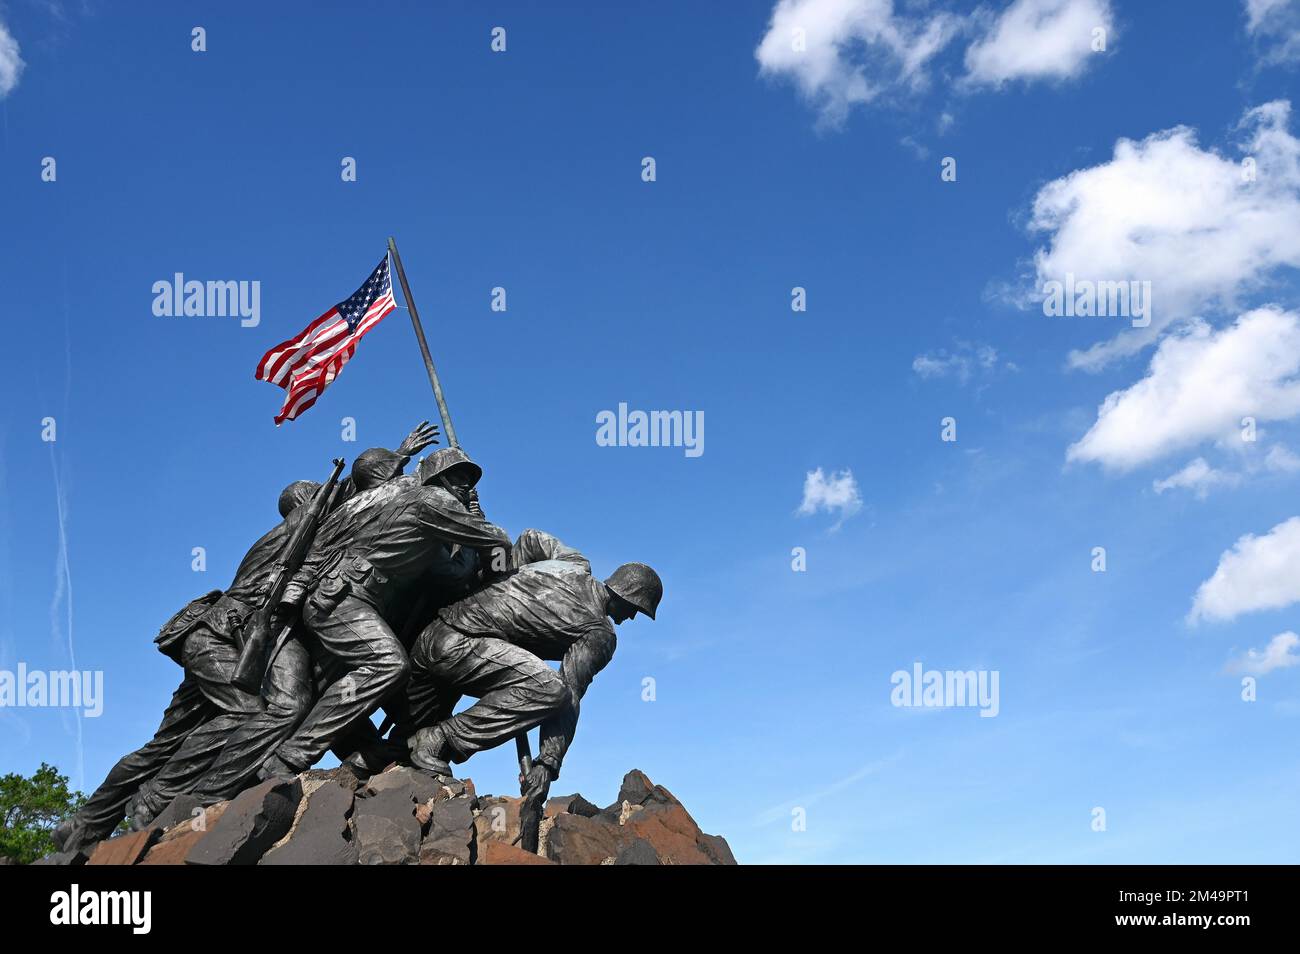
{"x": 639, "y": 585}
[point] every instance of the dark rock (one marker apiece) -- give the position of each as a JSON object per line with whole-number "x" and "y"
{"x": 637, "y": 789}
{"x": 451, "y": 833}
{"x": 452, "y": 850}
{"x": 573, "y": 804}
{"x": 340, "y": 775}
{"x": 404, "y": 816}
{"x": 323, "y": 834}
{"x": 181, "y": 809}
{"x": 419, "y": 786}
{"x": 453, "y": 787}
{"x": 637, "y": 852}
{"x": 452, "y": 818}
{"x": 575, "y": 840}
{"x": 716, "y": 847}
{"x": 77, "y": 856}
{"x": 253, "y": 821}
{"x": 124, "y": 849}
{"x": 387, "y": 832}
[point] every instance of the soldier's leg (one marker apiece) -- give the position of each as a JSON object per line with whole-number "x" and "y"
{"x": 184, "y": 769}
{"x": 210, "y": 659}
{"x": 359, "y": 746}
{"x": 373, "y": 665}
{"x": 106, "y": 807}
{"x": 287, "y": 692}
{"x": 515, "y": 689}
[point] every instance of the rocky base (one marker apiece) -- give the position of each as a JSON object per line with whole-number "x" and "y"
{"x": 403, "y": 816}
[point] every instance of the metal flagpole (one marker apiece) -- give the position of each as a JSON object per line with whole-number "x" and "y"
{"x": 522, "y": 748}
{"x": 424, "y": 347}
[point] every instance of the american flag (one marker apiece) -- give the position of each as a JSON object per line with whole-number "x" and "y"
{"x": 307, "y": 363}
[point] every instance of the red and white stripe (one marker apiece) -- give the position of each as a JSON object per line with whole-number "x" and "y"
{"x": 306, "y": 364}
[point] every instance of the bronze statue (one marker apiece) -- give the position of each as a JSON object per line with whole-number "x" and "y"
{"x": 362, "y": 566}
{"x": 493, "y": 644}
{"x": 201, "y": 727}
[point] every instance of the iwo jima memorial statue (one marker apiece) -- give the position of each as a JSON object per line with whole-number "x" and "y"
{"x": 393, "y": 591}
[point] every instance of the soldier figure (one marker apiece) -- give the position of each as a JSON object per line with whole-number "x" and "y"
{"x": 397, "y": 556}
{"x": 492, "y": 645}
{"x": 206, "y": 713}
{"x": 358, "y": 578}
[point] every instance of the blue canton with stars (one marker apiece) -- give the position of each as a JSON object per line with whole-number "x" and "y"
{"x": 376, "y": 286}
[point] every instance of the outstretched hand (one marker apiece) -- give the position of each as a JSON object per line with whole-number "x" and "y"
{"x": 421, "y": 437}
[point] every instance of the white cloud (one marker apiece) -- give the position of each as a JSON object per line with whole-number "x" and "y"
{"x": 843, "y": 52}
{"x": 1200, "y": 385}
{"x": 1039, "y": 39}
{"x": 962, "y": 362}
{"x": 11, "y": 64}
{"x": 1258, "y": 11}
{"x": 1276, "y": 655}
{"x": 1193, "y": 223}
{"x": 1198, "y": 477}
{"x": 835, "y": 494}
{"x": 1281, "y": 460}
{"x": 1258, "y": 573}
{"x": 1275, "y": 24}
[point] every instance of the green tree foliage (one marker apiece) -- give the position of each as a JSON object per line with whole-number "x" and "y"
{"x": 29, "y": 810}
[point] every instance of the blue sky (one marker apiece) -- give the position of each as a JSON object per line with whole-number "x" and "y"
{"x": 818, "y": 168}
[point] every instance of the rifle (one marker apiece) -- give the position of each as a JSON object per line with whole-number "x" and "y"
{"x": 256, "y": 632}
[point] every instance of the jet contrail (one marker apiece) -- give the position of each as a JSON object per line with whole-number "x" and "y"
{"x": 63, "y": 591}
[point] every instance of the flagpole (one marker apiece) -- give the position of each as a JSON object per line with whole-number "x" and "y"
{"x": 424, "y": 347}
{"x": 522, "y": 748}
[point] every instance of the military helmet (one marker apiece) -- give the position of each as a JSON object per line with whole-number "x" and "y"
{"x": 639, "y": 585}
{"x": 449, "y": 458}
{"x": 297, "y": 494}
{"x": 376, "y": 466}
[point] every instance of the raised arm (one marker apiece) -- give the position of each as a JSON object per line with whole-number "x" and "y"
{"x": 533, "y": 546}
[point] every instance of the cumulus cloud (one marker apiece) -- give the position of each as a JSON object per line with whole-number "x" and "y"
{"x": 1200, "y": 385}
{"x": 11, "y": 64}
{"x": 843, "y": 52}
{"x": 1202, "y": 228}
{"x": 1258, "y": 573}
{"x": 837, "y": 493}
{"x": 1039, "y": 39}
{"x": 1278, "y": 654}
{"x": 1275, "y": 25}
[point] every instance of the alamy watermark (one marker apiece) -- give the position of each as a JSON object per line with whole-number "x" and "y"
{"x": 626, "y": 428}
{"x": 179, "y": 298}
{"x": 133, "y": 909}
{"x": 56, "y": 689}
{"x": 946, "y": 689}
{"x": 1082, "y": 298}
